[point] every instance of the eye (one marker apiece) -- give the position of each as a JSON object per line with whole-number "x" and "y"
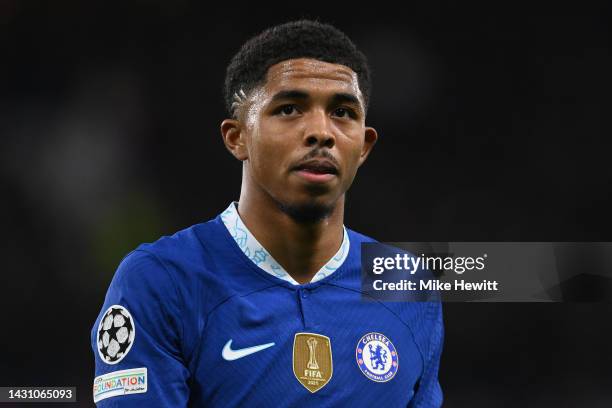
{"x": 344, "y": 113}
{"x": 286, "y": 110}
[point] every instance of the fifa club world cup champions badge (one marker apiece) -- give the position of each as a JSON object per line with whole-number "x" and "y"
{"x": 312, "y": 360}
{"x": 377, "y": 357}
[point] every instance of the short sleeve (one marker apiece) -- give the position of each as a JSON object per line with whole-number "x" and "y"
{"x": 429, "y": 393}
{"x": 136, "y": 338}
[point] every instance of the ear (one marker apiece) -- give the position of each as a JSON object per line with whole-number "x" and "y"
{"x": 234, "y": 138}
{"x": 370, "y": 138}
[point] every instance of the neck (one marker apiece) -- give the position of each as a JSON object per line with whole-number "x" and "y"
{"x": 300, "y": 248}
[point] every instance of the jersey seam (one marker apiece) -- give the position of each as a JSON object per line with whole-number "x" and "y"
{"x": 207, "y": 316}
{"x": 196, "y": 353}
{"x": 104, "y": 300}
{"x": 214, "y": 308}
{"x": 176, "y": 292}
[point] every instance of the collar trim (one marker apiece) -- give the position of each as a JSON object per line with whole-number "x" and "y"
{"x": 249, "y": 245}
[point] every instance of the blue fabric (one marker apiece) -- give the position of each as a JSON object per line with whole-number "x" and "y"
{"x": 190, "y": 293}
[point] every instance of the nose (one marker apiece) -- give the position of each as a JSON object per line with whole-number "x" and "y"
{"x": 319, "y": 130}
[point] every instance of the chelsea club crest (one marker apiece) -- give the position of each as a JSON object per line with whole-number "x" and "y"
{"x": 377, "y": 357}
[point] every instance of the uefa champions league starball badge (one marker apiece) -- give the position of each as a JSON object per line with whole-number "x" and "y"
{"x": 116, "y": 334}
{"x": 377, "y": 357}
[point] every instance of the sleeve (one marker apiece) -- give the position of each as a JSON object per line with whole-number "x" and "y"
{"x": 136, "y": 339}
{"x": 429, "y": 393}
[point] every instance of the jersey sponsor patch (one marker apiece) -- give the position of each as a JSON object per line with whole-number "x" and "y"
{"x": 377, "y": 357}
{"x": 116, "y": 334}
{"x": 312, "y": 360}
{"x": 124, "y": 382}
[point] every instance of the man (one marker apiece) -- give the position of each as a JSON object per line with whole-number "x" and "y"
{"x": 262, "y": 306}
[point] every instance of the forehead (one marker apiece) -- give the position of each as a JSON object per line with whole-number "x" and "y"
{"x": 311, "y": 75}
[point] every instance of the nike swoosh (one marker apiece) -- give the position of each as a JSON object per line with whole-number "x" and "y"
{"x": 230, "y": 355}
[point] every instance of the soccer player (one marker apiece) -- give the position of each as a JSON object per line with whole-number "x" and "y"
{"x": 262, "y": 305}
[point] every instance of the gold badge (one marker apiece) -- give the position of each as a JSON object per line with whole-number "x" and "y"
{"x": 312, "y": 360}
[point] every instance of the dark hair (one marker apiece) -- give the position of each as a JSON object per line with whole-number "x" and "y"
{"x": 296, "y": 39}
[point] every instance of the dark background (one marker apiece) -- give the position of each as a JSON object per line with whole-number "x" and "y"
{"x": 494, "y": 124}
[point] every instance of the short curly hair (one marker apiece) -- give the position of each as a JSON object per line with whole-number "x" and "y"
{"x": 296, "y": 39}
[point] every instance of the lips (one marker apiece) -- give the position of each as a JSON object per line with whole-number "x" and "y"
{"x": 317, "y": 167}
{"x": 316, "y": 172}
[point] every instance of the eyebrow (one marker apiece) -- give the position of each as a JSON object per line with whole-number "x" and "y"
{"x": 346, "y": 98}
{"x": 337, "y": 98}
{"x": 290, "y": 94}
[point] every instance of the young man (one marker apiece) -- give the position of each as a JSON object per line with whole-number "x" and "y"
{"x": 262, "y": 305}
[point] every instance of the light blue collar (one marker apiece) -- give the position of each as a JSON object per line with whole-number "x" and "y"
{"x": 262, "y": 258}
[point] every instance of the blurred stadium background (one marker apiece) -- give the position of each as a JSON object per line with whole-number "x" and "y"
{"x": 494, "y": 123}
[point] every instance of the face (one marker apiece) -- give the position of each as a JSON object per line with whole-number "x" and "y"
{"x": 302, "y": 135}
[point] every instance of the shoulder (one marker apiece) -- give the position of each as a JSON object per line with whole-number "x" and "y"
{"x": 163, "y": 278}
{"x": 358, "y": 237}
{"x": 183, "y": 252}
{"x": 155, "y": 263}
{"x": 182, "y": 245}
{"x": 201, "y": 266}
{"x": 167, "y": 268}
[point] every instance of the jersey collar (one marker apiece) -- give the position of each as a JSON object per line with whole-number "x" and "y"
{"x": 262, "y": 258}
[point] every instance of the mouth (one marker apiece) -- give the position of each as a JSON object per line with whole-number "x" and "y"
{"x": 317, "y": 171}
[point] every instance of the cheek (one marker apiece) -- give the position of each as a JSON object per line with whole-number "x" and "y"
{"x": 260, "y": 158}
{"x": 266, "y": 152}
{"x": 351, "y": 162}
{"x": 353, "y": 152}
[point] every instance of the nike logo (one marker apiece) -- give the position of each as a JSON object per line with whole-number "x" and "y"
{"x": 230, "y": 355}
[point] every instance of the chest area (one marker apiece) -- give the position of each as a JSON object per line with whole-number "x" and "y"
{"x": 309, "y": 343}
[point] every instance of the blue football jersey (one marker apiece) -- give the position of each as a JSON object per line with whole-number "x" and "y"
{"x": 191, "y": 321}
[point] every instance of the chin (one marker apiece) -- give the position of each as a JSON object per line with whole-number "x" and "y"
{"x": 307, "y": 211}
